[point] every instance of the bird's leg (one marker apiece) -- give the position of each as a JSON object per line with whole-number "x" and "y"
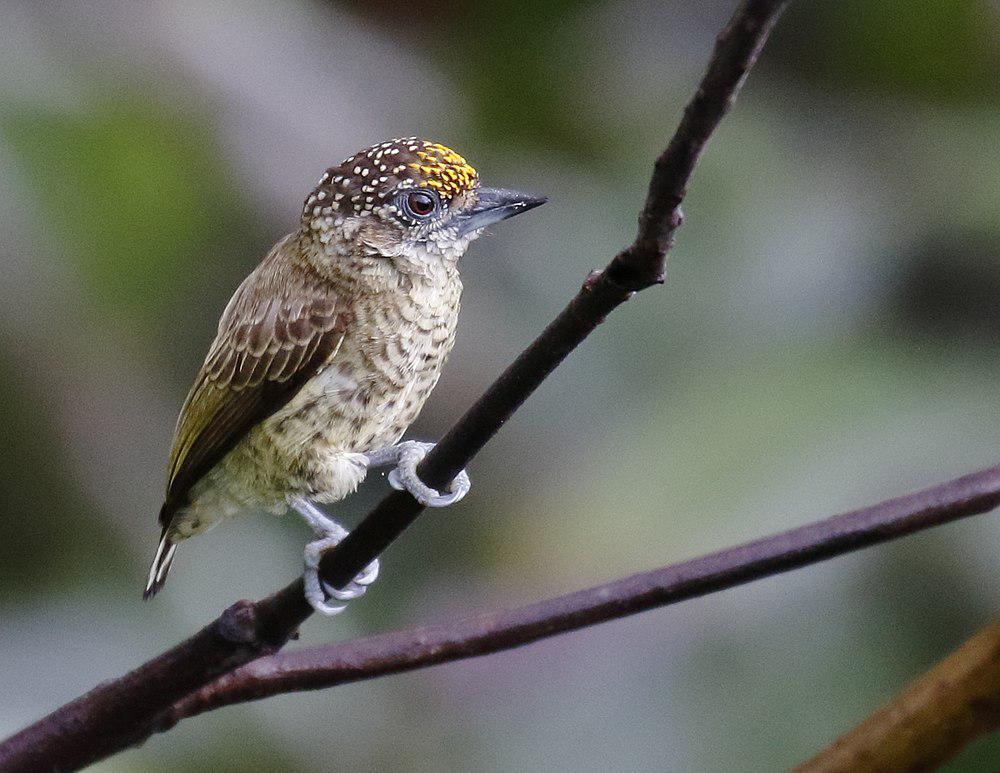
{"x": 406, "y": 456}
{"x": 330, "y": 534}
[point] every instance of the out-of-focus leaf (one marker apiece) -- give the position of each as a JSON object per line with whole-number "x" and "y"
{"x": 134, "y": 192}
{"x": 922, "y": 48}
{"x": 48, "y": 529}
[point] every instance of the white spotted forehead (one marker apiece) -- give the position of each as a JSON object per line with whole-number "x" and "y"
{"x": 363, "y": 181}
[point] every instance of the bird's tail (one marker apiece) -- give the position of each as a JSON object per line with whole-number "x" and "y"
{"x": 160, "y": 566}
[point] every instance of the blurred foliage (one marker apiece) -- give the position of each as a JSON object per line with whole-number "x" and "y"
{"x": 49, "y": 531}
{"x": 518, "y": 66}
{"x": 525, "y": 88}
{"x": 949, "y": 286}
{"x": 138, "y": 193}
{"x": 924, "y": 49}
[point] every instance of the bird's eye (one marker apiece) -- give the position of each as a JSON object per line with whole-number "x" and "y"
{"x": 420, "y": 203}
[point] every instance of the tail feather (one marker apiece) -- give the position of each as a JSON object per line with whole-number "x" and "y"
{"x": 160, "y": 566}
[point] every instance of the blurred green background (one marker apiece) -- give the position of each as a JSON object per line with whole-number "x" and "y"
{"x": 828, "y": 336}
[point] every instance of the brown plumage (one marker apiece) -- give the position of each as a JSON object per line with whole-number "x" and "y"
{"x": 329, "y": 348}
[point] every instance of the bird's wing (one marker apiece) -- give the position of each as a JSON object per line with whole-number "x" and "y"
{"x": 279, "y": 329}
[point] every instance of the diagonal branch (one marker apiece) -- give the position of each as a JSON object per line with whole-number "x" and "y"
{"x": 931, "y": 720}
{"x": 398, "y": 651}
{"x": 635, "y": 268}
{"x": 123, "y": 712}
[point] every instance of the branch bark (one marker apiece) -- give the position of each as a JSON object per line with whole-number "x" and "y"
{"x": 931, "y": 720}
{"x": 125, "y": 711}
{"x": 390, "y": 653}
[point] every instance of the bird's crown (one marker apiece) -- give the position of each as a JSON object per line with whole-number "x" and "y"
{"x": 364, "y": 182}
{"x": 409, "y": 199}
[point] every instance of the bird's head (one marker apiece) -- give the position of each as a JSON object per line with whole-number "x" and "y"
{"x": 409, "y": 199}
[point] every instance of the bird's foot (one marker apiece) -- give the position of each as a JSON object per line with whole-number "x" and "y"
{"x": 330, "y": 533}
{"x": 403, "y": 477}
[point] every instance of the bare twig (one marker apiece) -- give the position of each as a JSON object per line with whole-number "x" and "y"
{"x": 636, "y": 268}
{"x": 931, "y": 720}
{"x": 390, "y": 653}
{"x": 124, "y": 711}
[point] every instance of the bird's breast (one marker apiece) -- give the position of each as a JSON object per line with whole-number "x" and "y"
{"x": 376, "y": 384}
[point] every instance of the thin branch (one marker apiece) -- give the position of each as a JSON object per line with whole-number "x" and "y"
{"x": 639, "y": 266}
{"x": 928, "y": 723}
{"x": 125, "y": 711}
{"x": 390, "y": 653}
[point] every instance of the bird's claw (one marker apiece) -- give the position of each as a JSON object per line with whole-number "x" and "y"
{"x": 317, "y": 592}
{"x": 403, "y": 477}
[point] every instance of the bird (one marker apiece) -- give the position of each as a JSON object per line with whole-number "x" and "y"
{"x": 327, "y": 351}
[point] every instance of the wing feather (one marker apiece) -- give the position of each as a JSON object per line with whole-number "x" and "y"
{"x": 279, "y": 329}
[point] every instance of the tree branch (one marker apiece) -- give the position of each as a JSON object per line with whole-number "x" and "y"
{"x": 635, "y": 268}
{"x": 931, "y": 720}
{"x": 390, "y": 653}
{"x": 125, "y": 711}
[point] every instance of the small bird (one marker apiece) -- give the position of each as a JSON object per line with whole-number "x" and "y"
{"x": 327, "y": 351}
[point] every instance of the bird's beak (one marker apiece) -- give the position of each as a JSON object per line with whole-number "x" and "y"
{"x": 493, "y": 205}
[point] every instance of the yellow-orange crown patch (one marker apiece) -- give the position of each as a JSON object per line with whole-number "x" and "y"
{"x": 362, "y": 183}
{"x": 442, "y": 169}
